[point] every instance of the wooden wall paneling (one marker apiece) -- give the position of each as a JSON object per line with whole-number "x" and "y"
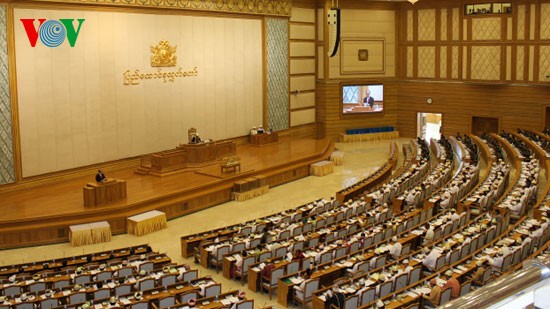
{"x": 515, "y": 106}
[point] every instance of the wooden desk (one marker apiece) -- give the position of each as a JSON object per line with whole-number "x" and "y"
{"x": 263, "y": 138}
{"x": 233, "y": 168}
{"x": 285, "y": 288}
{"x": 227, "y": 264}
{"x": 89, "y": 233}
{"x": 146, "y": 223}
{"x": 206, "y": 152}
{"x": 337, "y": 157}
{"x": 106, "y": 192}
{"x": 322, "y": 168}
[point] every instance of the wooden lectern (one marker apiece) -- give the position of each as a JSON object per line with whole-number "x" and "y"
{"x": 110, "y": 191}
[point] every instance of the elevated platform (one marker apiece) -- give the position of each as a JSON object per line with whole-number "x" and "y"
{"x": 43, "y": 214}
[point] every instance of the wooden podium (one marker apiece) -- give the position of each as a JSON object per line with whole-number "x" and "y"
{"x": 110, "y": 191}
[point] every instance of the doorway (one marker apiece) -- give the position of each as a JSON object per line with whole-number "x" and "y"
{"x": 429, "y": 126}
{"x": 482, "y": 125}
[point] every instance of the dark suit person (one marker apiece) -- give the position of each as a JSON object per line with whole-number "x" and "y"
{"x": 368, "y": 100}
{"x": 100, "y": 177}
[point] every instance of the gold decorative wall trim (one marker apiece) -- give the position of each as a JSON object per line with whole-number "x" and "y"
{"x": 256, "y": 7}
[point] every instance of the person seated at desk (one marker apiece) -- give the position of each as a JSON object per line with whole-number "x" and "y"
{"x": 435, "y": 294}
{"x": 100, "y": 177}
{"x": 267, "y": 270}
{"x": 452, "y": 283}
{"x": 195, "y": 139}
{"x": 300, "y": 289}
{"x": 477, "y": 277}
{"x": 336, "y": 298}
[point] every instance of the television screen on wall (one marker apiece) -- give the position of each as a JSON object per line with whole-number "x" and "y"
{"x": 362, "y": 98}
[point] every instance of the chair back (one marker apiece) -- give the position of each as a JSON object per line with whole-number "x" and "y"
{"x": 184, "y": 298}
{"x": 363, "y": 266}
{"x": 167, "y": 280}
{"x": 37, "y": 287}
{"x": 385, "y": 288}
{"x": 49, "y": 303}
{"x": 464, "y": 251}
{"x": 146, "y": 284}
{"x": 439, "y": 262}
{"x": 311, "y": 286}
{"x": 306, "y": 263}
{"x": 299, "y": 245}
{"x": 516, "y": 258}
{"x": 190, "y": 275}
{"x": 297, "y": 231}
{"x": 377, "y": 237}
{"x": 264, "y": 256}
{"x": 275, "y": 275}
{"x": 123, "y": 289}
{"x": 238, "y": 247}
{"x": 125, "y": 272}
{"x": 223, "y": 250}
{"x": 506, "y": 262}
{"x": 326, "y": 257}
{"x": 351, "y": 302}
{"x": 260, "y": 227}
{"x": 307, "y": 227}
{"x": 292, "y": 267}
{"x": 401, "y": 281}
{"x": 213, "y": 290}
{"x": 25, "y": 305}
{"x": 487, "y": 275}
{"x": 405, "y": 249}
{"x": 465, "y": 287}
{"x": 284, "y": 235}
{"x": 367, "y": 296}
{"x": 313, "y": 242}
{"x": 341, "y": 251}
{"x": 245, "y": 304}
{"x": 102, "y": 293}
{"x": 445, "y": 296}
{"x": 280, "y": 252}
{"x": 78, "y": 297}
{"x": 104, "y": 275}
{"x": 331, "y": 219}
{"x": 455, "y": 256}
{"x": 247, "y": 261}
{"x": 147, "y": 266}
{"x": 167, "y": 301}
{"x": 61, "y": 284}
{"x": 255, "y": 242}
{"x": 246, "y": 230}
{"x": 81, "y": 279}
{"x": 414, "y": 276}
{"x": 140, "y": 305}
{"x": 380, "y": 261}
{"x": 354, "y": 246}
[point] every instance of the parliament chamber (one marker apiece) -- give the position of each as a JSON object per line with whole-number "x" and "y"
{"x": 274, "y": 154}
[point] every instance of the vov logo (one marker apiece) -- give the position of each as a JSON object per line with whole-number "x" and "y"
{"x": 52, "y": 33}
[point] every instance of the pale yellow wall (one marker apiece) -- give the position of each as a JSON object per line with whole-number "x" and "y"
{"x": 74, "y": 109}
{"x": 367, "y": 25}
{"x": 302, "y": 117}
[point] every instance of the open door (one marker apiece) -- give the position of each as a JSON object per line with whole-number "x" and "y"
{"x": 429, "y": 126}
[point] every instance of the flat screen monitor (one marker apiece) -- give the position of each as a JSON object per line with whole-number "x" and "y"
{"x": 364, "y": 98}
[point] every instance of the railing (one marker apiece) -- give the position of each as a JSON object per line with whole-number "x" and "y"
{"x": 515, "y": 291}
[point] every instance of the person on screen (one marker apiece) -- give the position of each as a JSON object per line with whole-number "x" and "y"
{"x": 368, "y": 100}
{"x": 100, "y": 177}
